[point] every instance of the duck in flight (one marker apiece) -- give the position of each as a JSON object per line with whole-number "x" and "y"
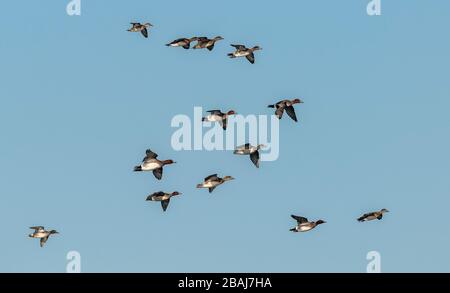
{"x": 183, "y": 42}
{"x": 212, "y": 181}
{"x": 42, "y": 234}
{"x": 151, "y": 163}
{"x": 303, "y": 225}
{"x": 372, "y": 216}
{"x": 218, "y": 116}
{"x": 288, "y": 106}
{"x": 138, "y": 27}
{"x": 248, "y": 149}
{"x": 242, "y": 51}
{"x": 204, "y": 42}
{"x": 163, "y": 197}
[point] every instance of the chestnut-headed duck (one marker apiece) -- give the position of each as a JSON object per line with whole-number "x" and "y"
{"x": 303, "y": 225}
{"x": 372, "y": 216}
{"x": 287, "y": 105}
{"x": 151, "y": 163}
{"x": 212, "y": 181}
{"x": 218, "y": 116}
{"x": 242, "y": 51}
{"x": 163, "y": 197}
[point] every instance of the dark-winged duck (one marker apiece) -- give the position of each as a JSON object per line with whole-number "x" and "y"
{"x": 248, "y": 149}
{"x": 212, "y": 181}
{"x": 218, "y": 116}
{"x": 163, "y": 197}
{"x": 204, "y": 42}
{"x": 42, "y": 234}
{"x": 151, "y": 163}
{"x": 242, "y": 51}
{"x": 183, "y": 42}
{"x": 303, "y": 225}
{"x": 287, "y": 105}
{"x": 138, "y": 27}
{"x": 372, "y": 216}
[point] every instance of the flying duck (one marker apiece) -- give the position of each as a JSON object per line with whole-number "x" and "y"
{"x": 218, "y": 116}
{"x": 303, "y": 225}
{"x": 287, "y": 105}
{"x": 248, "y": 149}
{"x": 242, "y": 51}
{"x": 42, "y": 234}
{"x": 212, "y": 181}
{"x": 151, "y": 163}
{"x": 138, "y": 27}
{"x": 163, "y": 197}
{"x": 204, "y": 42}
{"x": 183, "y": 42}
{"x": 372, "y": 216}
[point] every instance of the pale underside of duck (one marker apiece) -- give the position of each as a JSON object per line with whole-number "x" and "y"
{"x": 212, "y": 181}
{"x": 151, "y": 163}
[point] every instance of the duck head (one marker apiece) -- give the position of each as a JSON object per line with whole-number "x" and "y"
{"x": 218, "y": 38}
{"x": 168, "y": 162}
{"x": 297, "y": 101}
{"x": 256, "y": 48}
{"x": 147, "y": 24}
{"x": 384, "y": 211}
{"x": 53, "y": 232}
{"x": 228, "y": 178}
{"x": 231, "y": 112}
{"x": 320, "y": 222}
{"x": 175, "y": 193}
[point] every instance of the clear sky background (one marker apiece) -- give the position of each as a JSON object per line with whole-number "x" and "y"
{"x": 81, "y": 99}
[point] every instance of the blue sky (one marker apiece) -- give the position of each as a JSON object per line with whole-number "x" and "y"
{"x": 81, "y": 99}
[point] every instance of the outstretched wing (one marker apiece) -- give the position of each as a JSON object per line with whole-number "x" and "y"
{"x": 149, "y": 155}
{"x": 165, "y": 204}
{"x": 43, "y": 240}
{"x": 159, "y": 193}
{"x": 214, "y": 111}
{"x": 238, "y": 47}
{"x": 299, "y": 219}
{"x": 144, "y": 32}
{"x": 211, "y": 177}
{"x": 255, "y": 158}
{"x": 251, "y": 58}
{"x": 210, "y": 47}
{"x": 37, "y": 228}
{"x": 291, "y": 112}
{"x": 158, "y": 173}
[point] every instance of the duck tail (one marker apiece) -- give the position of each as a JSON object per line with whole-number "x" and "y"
{"x": 231, "y": 55}
{"x": 203, "y": 119}
{"x": 199, "y": 185}
{"x": 293, "y": 230}
{"x": 361, "y": 219}
{"x": 137, "y": 169}
{"x": 271, "y": 106}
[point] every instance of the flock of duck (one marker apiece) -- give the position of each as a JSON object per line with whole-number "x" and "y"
{"x": 153, "y": 164}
